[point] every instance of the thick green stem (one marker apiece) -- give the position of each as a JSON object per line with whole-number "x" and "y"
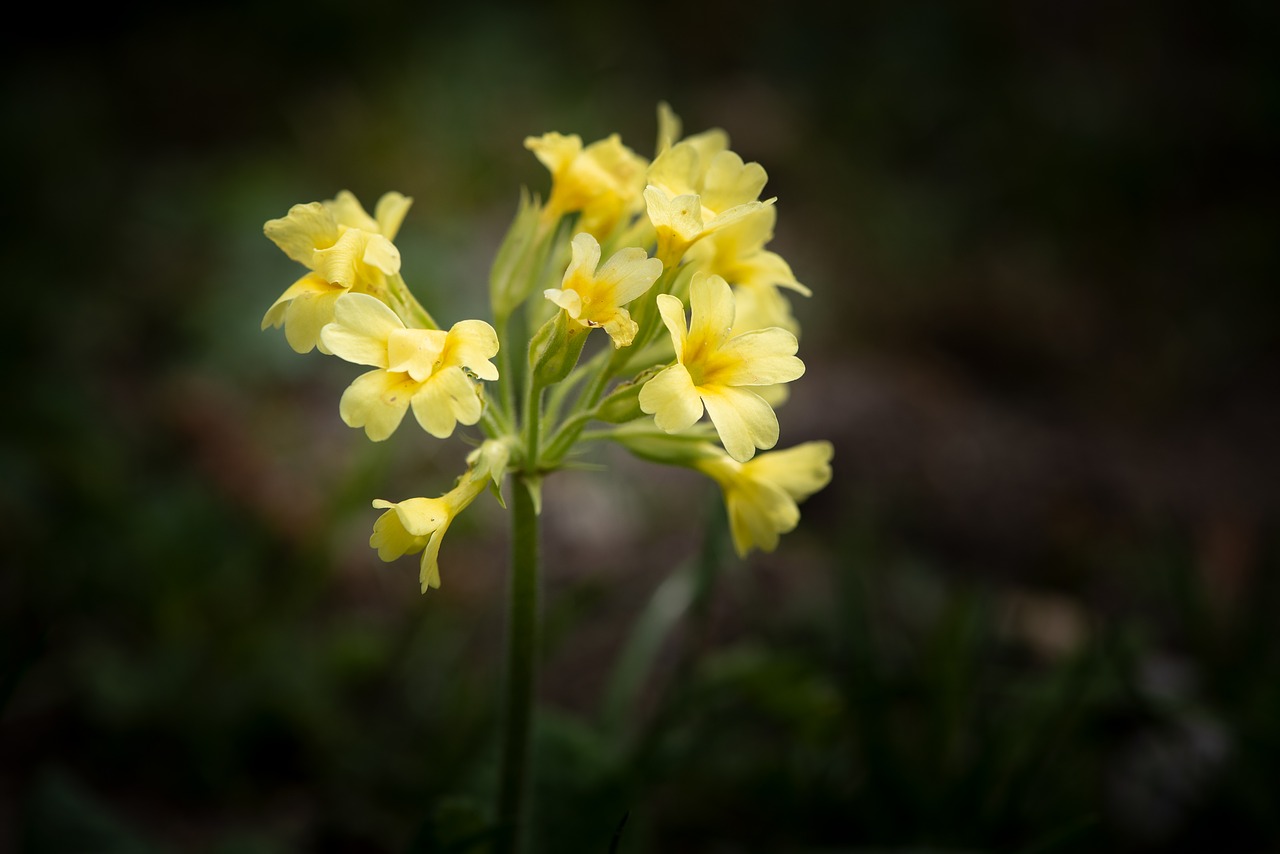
{"x": 522, "y": 646}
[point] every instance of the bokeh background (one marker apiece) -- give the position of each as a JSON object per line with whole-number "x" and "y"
{"x": 1034, "y": 610}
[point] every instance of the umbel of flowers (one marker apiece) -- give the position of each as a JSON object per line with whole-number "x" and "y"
{"x": 666, "y": 257}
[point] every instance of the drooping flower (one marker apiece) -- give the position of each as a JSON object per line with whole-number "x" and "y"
{"x": 761, "y": 495}
{"x": 602, "y": 181}
{"x": 345, "y": 250}
{"x": 693, "y": 190}
{"x": 428, "y": 369}
{"x": 593, "y": 294}
{"x": 715, "y": 368}
{"x": 419, "y": 524}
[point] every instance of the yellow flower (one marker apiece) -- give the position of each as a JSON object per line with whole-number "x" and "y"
{"x": 594, "y": 296}
{"x": 694, "y": 190}
{"x": 761, "y": 495}
{"x": 713, "y": 367}
{"x": 419, "y": 524}
{"x": 602, "y": 181}
{"x": 428, "y": 369}
{"x": 344, "y": 248}
{"x": 736, "y": 253}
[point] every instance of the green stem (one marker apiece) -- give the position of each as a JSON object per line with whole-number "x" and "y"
{"x": 522, "y": 646}
{"x": 506, "y": 375}
{"x": 532, "y": 423}
{"x": 564, "y": 437}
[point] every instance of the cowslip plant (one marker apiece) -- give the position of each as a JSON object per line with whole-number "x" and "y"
{"x": 667, "y": 258}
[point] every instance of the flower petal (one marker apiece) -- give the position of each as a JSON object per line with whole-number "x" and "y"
{"x": 672, "y": 311}
{"x": 758, "y": 514}
{"x": 711, "y": 307}
{"x": 760, "y": 357}
{"x": 377, "y": 401}
{"x": 421, "y": 516}
{"x": 390, "y": 212}
{"x": 444, "y": 400}
{"x": 672, "y": 400}
{"x": 306, "y": 316}
{"x": 568, "y": 299}
{"x": 730, "y": 182}
{"x": 361, "y": 328}
{"x": 630, "y": 272}
{"x": 308, "y": 284}
{"x": 471, "y": 344}
{"x": 348, "y": 212}
{"x": 390, "y": 537}
{"x": 743, "y": 420}
{"x": 429, "y": 571}
{"x": 305, "y": 229}
{"x": 799, "y": 471}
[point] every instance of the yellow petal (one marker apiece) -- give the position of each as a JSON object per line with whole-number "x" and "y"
{"x": 569, "y": 300}
{"x": 390, "y": 537}
{"x": 758, "y": 514}
{"x": 448, "y": 397}
{"x": 377, "y": 401}
{"x": 390, "y": 213}
{"x": 422, "y": 516}
{"x": 360, "y": 330}
{"x": 799, "y": 471}
{"x": 730, "y": 182}
{"x": 308, "y": 284}
{"x": 743, "y": 420}
{"x": 676, "y": 170}
{"x": 672, "y": 399}
{"x": 629, "y": 273}
{"x": 556, "y": 151}
{"x": 348, "y": 263}
{"x": 382, "y": 254}
{"x": 305, "y": 317}
{"x": 760, "y": 357}
{"x": 305, "y": 229}
{"x": 471, "y": 344}
{"x": 429, "y": 571}
{"x": 672, "y": 311}
{"x": 347, "y": 211}
{"x": 585, "y": 255}
{"x": 711, "y": 308}
{"x": 621, "y": 328}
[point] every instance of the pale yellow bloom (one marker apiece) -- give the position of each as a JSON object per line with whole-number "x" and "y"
{"x": 345, "y": 249}
{"x": 761, "y": 495}
{"x": 715, "y": 368}
{"x": 428, "y": 369}
{"x": 602, "y": 181}
{"x": 694, "y": 190}
{"x": 594, "y": 296}
{"x": 419, "y": 524}
{"x": 736, "y": 253}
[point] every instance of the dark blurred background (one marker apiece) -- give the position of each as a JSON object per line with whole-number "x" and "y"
{"x": 1034, "y": 610}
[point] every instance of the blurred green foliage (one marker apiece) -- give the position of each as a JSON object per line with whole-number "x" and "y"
{"x": 1032, "y": 613}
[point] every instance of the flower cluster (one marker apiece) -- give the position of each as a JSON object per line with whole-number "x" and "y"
{"x": 666, "y": 256}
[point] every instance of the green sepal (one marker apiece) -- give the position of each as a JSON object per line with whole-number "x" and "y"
{"x": 645, "y": 440}
{"x": 511, "y": 278}
{"x": 555, "y": 349}
{"x": 623, "y": 403}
